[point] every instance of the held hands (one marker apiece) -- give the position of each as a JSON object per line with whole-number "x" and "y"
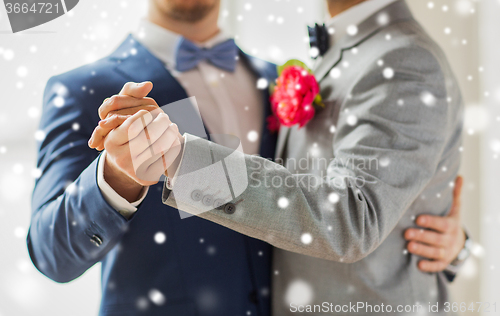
{"x": 441, "y": 239}
{"x": 140, "y": 140}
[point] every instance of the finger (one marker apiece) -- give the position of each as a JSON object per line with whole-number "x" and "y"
{"x": 150, "y": 134}
{"x": 428, "y": 237}
{"x": 133, "y": 125}
{"x": 103, "y": 128}
{"x": 162, "y": 145}
{"x": 118, "y": 102}
{"x": 133, "y": 110}
{"x": 432, "y": 266}
{"x": 155, "y": 170}
{"x": 137, "y": 90}
{"x": 438, "y": 223}
{"x": 457, "y": 192}
{"x": 426, "y": 251}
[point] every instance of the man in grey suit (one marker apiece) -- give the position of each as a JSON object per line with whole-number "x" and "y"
{"x": 396, "y": 103}
{"x": 390, "y": 135}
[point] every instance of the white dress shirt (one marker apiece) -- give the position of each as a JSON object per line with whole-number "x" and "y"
{"x": 229, "y": 102}
{"x": 346, "y": 22}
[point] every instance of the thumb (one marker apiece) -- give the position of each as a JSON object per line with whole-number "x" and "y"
{"x": 457, "y": 192}
{"x": 137, "y": 90}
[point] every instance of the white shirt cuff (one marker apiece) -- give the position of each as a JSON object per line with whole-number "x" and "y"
{"x": 121, "y": 205}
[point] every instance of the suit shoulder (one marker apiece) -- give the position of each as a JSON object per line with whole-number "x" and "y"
{"x": 84, "y": 77}
{"x": 410, "y": 37}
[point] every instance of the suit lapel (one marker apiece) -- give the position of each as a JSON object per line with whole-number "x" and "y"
{"x": 282, "y": 139}
{"x": 266, "y": 70}
{"x": 396, "y": 12}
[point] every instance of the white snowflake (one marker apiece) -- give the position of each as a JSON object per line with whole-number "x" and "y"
{"x": 22, "y": 71}
{"x": 352, "y": 120}
{"x": 71, "y": 188}
{"x": 156, "y": 297}
{"x": 142, "y": 303}
{"x": 36, "y": 173}
{"x": 262, "y": 83}
{"x": 253, "y": 136}
{"x": 283, "y": 202}
{"x": 464, "y": 7}
{"x": 352, "y": 30}
{"x": 211, "y": 250}
{"x": 8, "y": 54}
{"x": 299, "y": 292}
{"x": 160, "y": 238}
{"x": 33, "y": 112}
{"x": 306, "y": 238}
{"x": 59, "y": 101}
{"x": 335, "y": 73}
{"x": 20, "y": 232}
{"x": 39, "y": 135}
{"x": 428, "y": 98}
{"x": 384, "y": 162}
{"x": 383, "y": 18}
{"x": 314, "y": 52}
{"x": 388, "y": 73}
{"x": 18, "y": 168}
{"x": 333, "y": 197}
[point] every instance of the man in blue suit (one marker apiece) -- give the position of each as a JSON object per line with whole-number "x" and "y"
{"x": 201, "y": 268}
{"x": 153, "y": 262}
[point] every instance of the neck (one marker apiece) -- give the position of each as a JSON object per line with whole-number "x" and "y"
{"x": 335, "y": 7}
{"x": 199, "y": 31}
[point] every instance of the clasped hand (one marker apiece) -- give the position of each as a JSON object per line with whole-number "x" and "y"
{"x": 140, "y": 140}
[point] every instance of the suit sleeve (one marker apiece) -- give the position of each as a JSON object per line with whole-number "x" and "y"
{"x": 346, "y": 214}
{"x": 72, "y": 226}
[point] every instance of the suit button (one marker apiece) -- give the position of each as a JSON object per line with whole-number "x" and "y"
{"x": 196, "y": 195}
{"x": 230, "y": 208}
{"x": 208, "y": 200}
{"x": 218, "y": 203}
{"x": 96, "y": 240}
{"x": 252, "y": 297}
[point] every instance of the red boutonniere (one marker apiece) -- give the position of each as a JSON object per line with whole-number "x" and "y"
{"x": 294, "y": 97}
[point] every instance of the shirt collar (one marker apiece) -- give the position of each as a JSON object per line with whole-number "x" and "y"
{"x": 338, "y": 25}
{"x": 163, "y": 43}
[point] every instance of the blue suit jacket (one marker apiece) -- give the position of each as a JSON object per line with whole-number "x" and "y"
{"x": 201, "y": 269}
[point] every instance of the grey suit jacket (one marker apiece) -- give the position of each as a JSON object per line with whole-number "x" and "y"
{"x": 385, "y": 149}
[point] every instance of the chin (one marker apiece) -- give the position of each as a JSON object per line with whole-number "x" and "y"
{"x": 187, "y": 10}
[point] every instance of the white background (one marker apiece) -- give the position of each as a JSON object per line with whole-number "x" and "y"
{"x": 270, "y": 29}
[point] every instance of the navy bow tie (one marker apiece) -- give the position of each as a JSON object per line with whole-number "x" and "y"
{"x": 223, "y": 55}
{"x": 319, "y": 38}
